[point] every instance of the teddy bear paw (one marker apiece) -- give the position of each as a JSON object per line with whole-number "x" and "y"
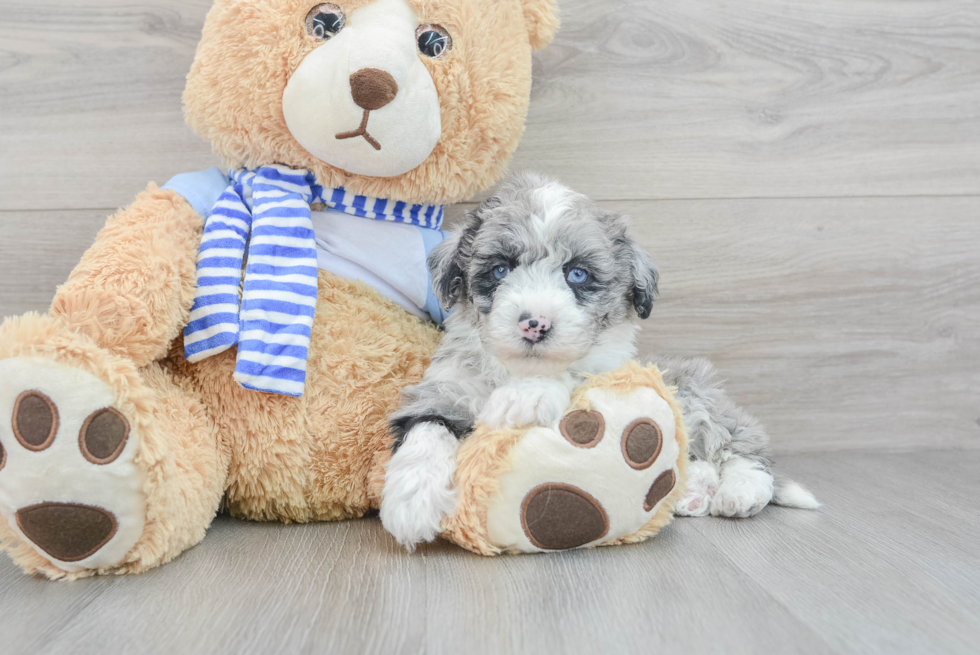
{"x": 69, "y": 486}
{"x": 601, "y": 476}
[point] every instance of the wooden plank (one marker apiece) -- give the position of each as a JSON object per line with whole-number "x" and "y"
{"x": 636, "y": 100}
{"x": 760, "y": 98}
{"x": 673, "y": 594}
{"x": 40, "y": 249}
{"x": 889, "y": 565}
{"x": 841, "y": 323}
{"x": 249, "y": 588}
{"x": 90, "y": 105}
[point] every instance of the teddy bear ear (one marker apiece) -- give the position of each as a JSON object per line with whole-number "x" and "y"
{"x": 542, "y": 21}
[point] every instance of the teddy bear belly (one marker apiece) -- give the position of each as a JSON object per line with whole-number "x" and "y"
{"x": 310, "y": 458}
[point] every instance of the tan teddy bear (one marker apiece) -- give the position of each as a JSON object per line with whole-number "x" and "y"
{"x": 132, "y": 418}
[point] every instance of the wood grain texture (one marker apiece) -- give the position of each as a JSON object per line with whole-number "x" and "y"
{"x": 842, "y": 323}
{"x": 635, "y": 100}
{"x": 90, "y": 105}
{"x": 888, "y": 565}
{"x": 891, "y": 562}
{"x": 760, "y": 98}
{"x": 40, "y": 249}
{"x": 845, "y": 322}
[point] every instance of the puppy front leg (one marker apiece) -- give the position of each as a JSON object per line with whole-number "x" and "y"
{"x": 527, "y": 401}
{"x": 418, "y": 491}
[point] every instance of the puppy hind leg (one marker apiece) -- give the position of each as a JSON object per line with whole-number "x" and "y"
{"x": 418, "y": 490}
{"x": 702, "y": 484}
{"x": 746, "y": 488}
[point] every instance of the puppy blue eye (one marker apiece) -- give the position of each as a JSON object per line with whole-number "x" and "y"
{"x": 578, "y": 276}
{"x": 501, "y": 272}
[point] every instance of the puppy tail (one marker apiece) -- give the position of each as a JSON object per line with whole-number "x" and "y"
{"x": 792, "y": 494}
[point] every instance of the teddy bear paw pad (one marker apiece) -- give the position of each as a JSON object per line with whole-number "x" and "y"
{"x": 69, "y": 484}
{"x": 560, "y": 516}
{"x": 600, "y": 476}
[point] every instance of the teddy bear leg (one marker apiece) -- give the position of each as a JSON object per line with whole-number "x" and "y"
{"x": 104, "y": 468}
{"x": 609, "y": 472}
{"x": 600, "y": 477}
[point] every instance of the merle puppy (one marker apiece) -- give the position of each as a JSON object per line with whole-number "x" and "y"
{"x": 546, "y": 286}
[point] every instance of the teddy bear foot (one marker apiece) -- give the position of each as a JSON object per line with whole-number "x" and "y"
{"x": 69, "y": 486}
{"x": 600, "y": 477}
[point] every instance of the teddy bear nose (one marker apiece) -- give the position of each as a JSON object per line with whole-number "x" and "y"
{"x": 373, "y": 88}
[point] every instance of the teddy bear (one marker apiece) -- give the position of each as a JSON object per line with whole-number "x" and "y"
{"x": 237, "y": 341}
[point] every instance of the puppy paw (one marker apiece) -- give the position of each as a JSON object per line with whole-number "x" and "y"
{"x": 702, "y": 484}
{"x": 744, "y": 491}
{"x": 418, "y": 492}
{"x": 535, "y": 401}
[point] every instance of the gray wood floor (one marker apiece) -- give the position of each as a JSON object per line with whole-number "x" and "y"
{"x": 808, "y": 177}
{"x": 889, "y": 565}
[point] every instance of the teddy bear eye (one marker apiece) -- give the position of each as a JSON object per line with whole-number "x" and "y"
{"x": 434, "y": 41}
{"x": 325, "y": 21}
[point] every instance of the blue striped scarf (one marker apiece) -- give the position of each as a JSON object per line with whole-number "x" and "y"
{"x": 268, "y": 212}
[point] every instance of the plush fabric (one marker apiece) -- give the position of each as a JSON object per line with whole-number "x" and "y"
{"x": 250, "y": 50}
{"x": 388, "y": 252}
{"x": 486, "y": 464}
{"x": 197, "y": 442}
{"x": 308, "y": 459}
{"x": 183, "y": 463}
{"x": 267, "y": 212}
{"x": 133, "y": 289}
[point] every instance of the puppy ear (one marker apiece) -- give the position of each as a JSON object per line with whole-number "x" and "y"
{"x": 646, "y": 278}
{"x": 542, "y": 21}
{"x": 447, "y": 274}
{"x": 447, "y": 262}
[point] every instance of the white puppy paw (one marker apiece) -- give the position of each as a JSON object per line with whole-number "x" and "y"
{"x": 702, "y": 484}
{"x": 418, "y": 492}
{"x": 744, "y": 491}
{"x": 528, "y": 402}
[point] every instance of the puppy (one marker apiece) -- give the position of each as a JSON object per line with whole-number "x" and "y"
{"x": 546, "y": 287}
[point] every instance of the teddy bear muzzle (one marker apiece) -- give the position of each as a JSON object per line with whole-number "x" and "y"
{"x": 371, "y": 89}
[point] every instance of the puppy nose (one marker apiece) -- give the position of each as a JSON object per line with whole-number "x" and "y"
{"x": 535, "y": 328}
{"x": 373, "y": 88}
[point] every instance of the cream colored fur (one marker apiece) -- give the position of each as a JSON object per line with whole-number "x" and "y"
{"x": 204, "y": 442}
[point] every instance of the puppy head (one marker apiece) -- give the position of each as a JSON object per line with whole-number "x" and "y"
{"x": 414, "y": 100}
{"x": 543, "y": 273}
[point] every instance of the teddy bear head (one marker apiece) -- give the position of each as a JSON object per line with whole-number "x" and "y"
{"x": 414, "y": 100}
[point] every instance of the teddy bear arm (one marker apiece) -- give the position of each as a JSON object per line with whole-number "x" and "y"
{"x": 133, "y": 289}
